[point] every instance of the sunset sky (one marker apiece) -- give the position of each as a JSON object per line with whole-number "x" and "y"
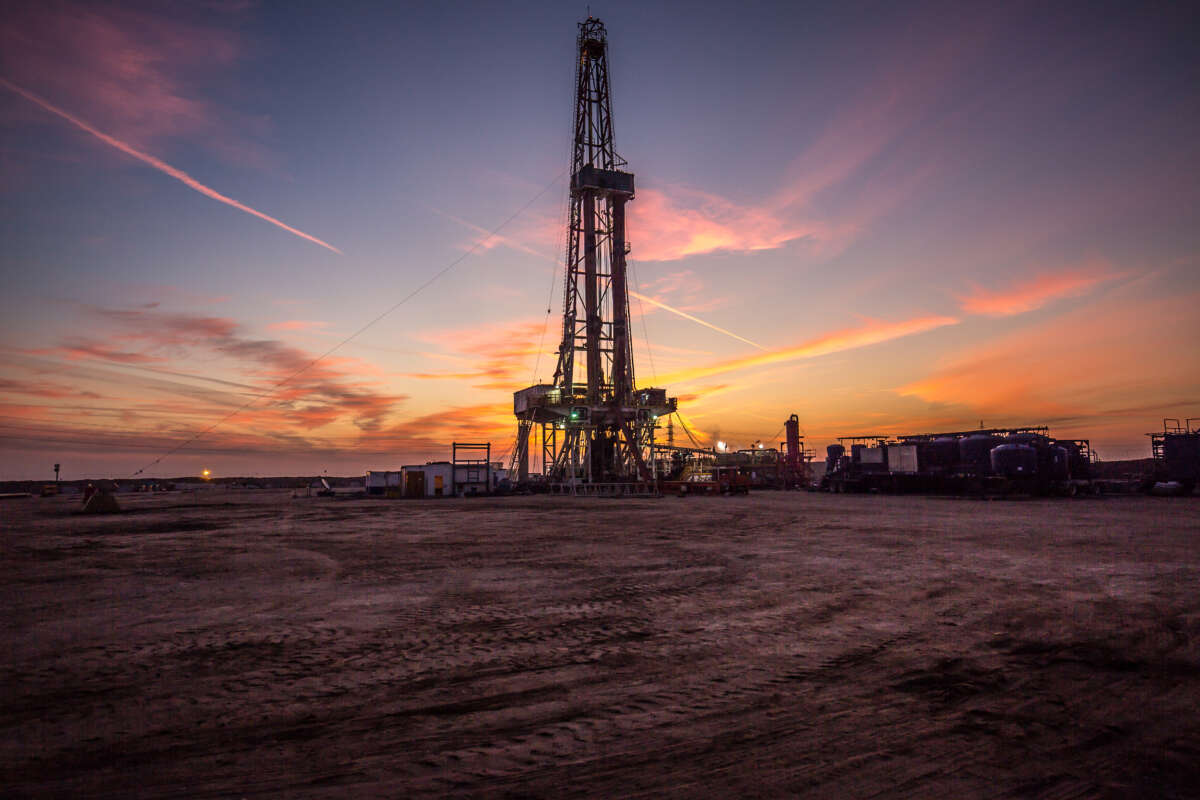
{"x": 883, "y": 217}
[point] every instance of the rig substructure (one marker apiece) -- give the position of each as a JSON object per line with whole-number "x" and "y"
{"x": 596, "y": 429}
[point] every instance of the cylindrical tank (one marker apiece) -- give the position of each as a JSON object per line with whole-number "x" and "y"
{"x": 833, "y": 454}
{"x": 1014, "y": 460}
{"x": 926, "y": 455}
{"x": 1031, "y": 439}
{"x": 944, "y": 452}
{"x": 975, "y": 452}
{"x": 792, "y": 427}
{"x": 1077, "y": 463}
{"x": 1058, "y": 462}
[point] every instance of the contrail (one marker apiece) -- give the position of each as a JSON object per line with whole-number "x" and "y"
{"x": 685, "y": 315}
{"x": 518, "y": 246}
{"x": 513, "y": 243}
{"x": 162, "y": 166}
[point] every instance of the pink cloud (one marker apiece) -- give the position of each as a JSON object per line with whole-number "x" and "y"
{"x": 1032, "y": 294}
{"x": 672, "y": 222}
{"x": 677, "y": 222}
{"x": 134, "y": 72}
{"x": 682, "y": 288}
{"x": 297, "y": 325}
{"x": 668, "y": 222}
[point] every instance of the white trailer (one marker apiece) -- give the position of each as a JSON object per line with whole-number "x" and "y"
{"x": 380, "y": 481}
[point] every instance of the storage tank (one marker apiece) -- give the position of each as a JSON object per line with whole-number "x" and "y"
{"x": 975, "y": 452}
{"x": 943, "y": 452}
{"x": 1014, "y": 460}
{"x": 792, "y": 427}
{"x": 833, "y": 454}
{"x": 1031, "y": 439}
{"x": 1058, "y": 462}
{"x": 1181, "y": 456}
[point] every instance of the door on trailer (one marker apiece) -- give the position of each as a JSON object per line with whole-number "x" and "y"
{"x": 437, "y": 485}
{"x": 414, "y": 485}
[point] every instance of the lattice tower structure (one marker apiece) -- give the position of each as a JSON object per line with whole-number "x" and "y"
{"x": 595, "y": 426}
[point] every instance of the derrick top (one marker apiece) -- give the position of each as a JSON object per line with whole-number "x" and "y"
{"x": 591, "y": 30}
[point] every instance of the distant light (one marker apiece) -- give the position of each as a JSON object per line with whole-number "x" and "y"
{"x": 760, "y": 447}
{"x": 206, "y": 473}
{"x": 720, "y": 446}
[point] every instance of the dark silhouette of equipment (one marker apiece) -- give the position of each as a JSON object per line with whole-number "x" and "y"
{"x": 994, "y": 460}
{"x": 1176, "y": 454}
{"x": 794, "y": 468}
{"x": 596, "y": 427}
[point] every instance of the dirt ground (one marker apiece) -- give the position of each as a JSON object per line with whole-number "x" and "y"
{"x": 783, "y": 644}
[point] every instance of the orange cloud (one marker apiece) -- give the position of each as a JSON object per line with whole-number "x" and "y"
{"x": 1038, "y": 291}
{"x": 873, "y": 332}
{"x": 499, "y": 355}
{"x": 75, "y": 349}
{"x": 315, "y": 393}
{"x": 164, "y": 167}
{"x": 1112, "y": 369}
{"x": 45, "y": 389}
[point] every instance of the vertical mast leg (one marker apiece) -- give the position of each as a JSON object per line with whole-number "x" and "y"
{"x": 622, "y": 386}
{"x": 591, "y": 298}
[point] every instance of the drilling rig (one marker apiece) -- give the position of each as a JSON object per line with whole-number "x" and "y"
{"x": 595, "y": 427}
